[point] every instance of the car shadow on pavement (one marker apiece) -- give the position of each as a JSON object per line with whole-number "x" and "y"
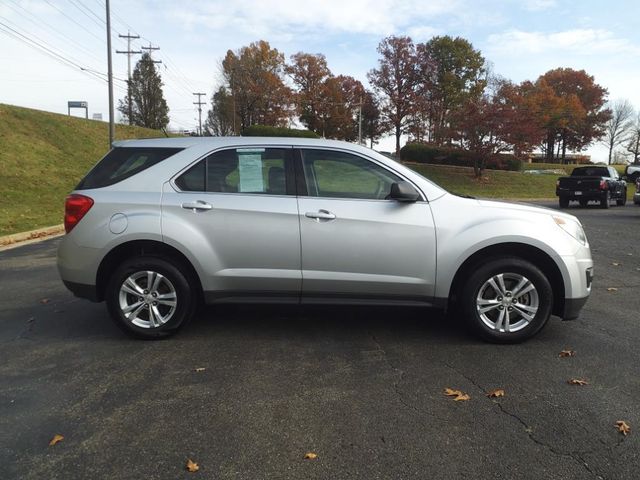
{"x": 324, "y": 323}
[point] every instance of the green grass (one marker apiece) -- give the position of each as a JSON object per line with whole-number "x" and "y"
{"x": 495, "y": 183}
{"x": 42, "y": 157}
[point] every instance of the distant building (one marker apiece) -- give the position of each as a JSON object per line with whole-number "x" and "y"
{"x": 97, "y": 116}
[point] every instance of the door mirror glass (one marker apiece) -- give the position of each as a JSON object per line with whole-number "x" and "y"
{"x": 403, "y": 192}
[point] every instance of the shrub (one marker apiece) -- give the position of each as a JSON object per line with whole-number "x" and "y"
{"x": 267, "y": 131}
{"x": 434, "y": 155}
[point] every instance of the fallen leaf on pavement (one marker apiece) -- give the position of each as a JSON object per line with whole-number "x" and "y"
{"x": 577, "y": 381}
{"x": 498, "y": 392}
{"x": 460, "y": 396}
{"x": 567, "y": 353}
{"x": 310, "y": 456}
{"x": 200, "y": 369}
{"x": 616, "y": 264}
{"x": 612, "y": 289}
{"x": 192, "y": 466}
{"x": 44, "y": 301}
{"x": 56, "y": 438}
{"x": 623, "y": 427}
{"x": 452, "y": 393}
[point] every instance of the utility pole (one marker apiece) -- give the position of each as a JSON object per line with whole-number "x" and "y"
{"x": 151, "y": 49}
{"x": 199, "y": 103}
{"x": 129, "y": 52}
{"x": 110, "y": 75}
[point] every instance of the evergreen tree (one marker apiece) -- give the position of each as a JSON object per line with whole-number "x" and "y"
{"x": 148, "y": 107}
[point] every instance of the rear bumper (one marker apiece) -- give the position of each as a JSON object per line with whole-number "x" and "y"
{"x": 586, "y": 194}
{"x": 90, "y": 292}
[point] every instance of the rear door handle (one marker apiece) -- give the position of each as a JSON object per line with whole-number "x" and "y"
{"x": 197, "y": 205}
{"x": 320, "y": 215}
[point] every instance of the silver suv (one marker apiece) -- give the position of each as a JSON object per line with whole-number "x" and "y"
{"x": 159, "y": 226}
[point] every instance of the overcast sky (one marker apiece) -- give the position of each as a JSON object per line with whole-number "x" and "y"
{"x": 522, "y": 39}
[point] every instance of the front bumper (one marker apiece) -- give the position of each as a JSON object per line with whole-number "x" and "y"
{"x": 572, "y": 307}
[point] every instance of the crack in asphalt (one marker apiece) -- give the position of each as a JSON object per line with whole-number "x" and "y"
{"x": 400, "y": 376}
{"x": 26, "y": 331}
{"x": 575, "y": 456}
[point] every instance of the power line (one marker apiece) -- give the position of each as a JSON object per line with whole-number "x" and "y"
{"x": 74, "y": 21}
{"x": 90, "y": 15}
{"x": 69, "y": 62}
{"x": 37, "y": 22}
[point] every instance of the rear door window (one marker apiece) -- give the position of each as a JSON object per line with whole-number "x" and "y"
{"x": 123, "y": 162}
{"x": 241, "y": 170}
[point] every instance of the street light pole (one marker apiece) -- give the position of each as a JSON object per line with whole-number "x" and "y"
{"x": 110, "y": 76}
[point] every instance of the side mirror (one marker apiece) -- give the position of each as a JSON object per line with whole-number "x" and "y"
{"x": 403, "y": 192}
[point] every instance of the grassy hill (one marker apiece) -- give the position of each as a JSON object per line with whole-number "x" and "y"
{"x": 42, "y": 157}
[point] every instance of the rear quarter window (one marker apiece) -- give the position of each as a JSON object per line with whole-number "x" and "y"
{"x": 123, "y": 162}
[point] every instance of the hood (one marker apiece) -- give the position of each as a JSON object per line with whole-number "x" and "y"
{"x": 526, "y": 208}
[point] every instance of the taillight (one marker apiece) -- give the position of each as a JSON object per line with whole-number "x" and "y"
{"x": 603, "y": 185}
{"x": 75, "y": 207}
{"x": 557, "y": 183}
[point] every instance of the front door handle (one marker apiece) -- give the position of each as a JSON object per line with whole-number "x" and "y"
{"x": 320, "y": 215}
{"x": 197, "y": 205}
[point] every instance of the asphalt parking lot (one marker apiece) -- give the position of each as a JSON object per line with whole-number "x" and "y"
{"x": 361, "y": 388}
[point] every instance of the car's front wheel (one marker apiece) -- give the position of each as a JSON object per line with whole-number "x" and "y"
{"x": 506, "y": 300}
{"x": 150, "y": 298}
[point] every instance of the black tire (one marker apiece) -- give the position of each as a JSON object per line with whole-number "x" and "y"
{"x": 633, "y": 177}
{"x": 563, "y": 202}
{"x": 622, "y": 201}
{"x": 513, "y": 269}
{"x": 186, "y": 299}
{"x": 605, "y": 200}
{"x": 583, "y": 202}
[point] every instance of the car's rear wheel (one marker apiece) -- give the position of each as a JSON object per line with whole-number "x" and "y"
{"x": 622, "y": 201}
{"x": 506, "y": 300}
{"x": 605, "y": 200}
{"x": 150, "y": 298}
{"x": 563, "y": 202}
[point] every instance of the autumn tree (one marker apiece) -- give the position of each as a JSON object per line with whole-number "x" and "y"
{"x": 148, "y": 108}
{"x": 395, "y": 82}
{"x": 495, "y": 122}
{"x": 452, "y": 75}
{"x": 309, "y": 73}
{"x": 581, "y": 114}
{"x": 633, "y": 140}
{"x": 372, "y": 128}
{"x": 254, "y": 76}
{"x": 616, "y": 129}
{"x": 220, "y": 118}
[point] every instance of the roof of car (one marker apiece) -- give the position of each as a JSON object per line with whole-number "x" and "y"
{"x": 186, "y": 142}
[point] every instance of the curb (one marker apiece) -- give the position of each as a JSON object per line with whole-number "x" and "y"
{"x": 17, "y": 239}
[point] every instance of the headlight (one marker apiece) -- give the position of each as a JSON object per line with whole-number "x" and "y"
{"x": 573, "y": 228}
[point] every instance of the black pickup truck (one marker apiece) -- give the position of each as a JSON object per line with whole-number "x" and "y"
{"x": 602, "y": 184}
